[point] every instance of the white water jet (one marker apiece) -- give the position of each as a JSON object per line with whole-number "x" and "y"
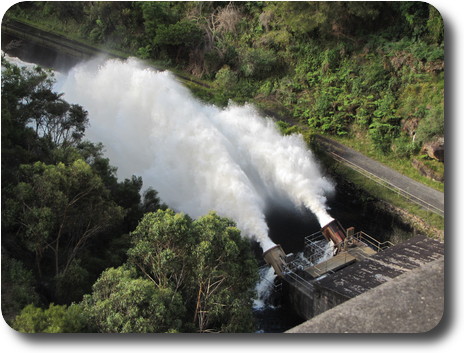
{"x": 198, "y": 157}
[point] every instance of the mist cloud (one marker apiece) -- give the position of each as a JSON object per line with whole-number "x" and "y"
{"x": 198, "y": 157}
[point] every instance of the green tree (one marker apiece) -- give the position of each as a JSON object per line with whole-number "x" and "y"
{"x": 156, "y": 13}
{"x": 161, "y": 247}
{"x": 258, "y": 63}
{"x": 58, "y": 208}
{"x": 18, "y": 288}
{"x": 329, "y": 19}
{"x": 123, "y": 302}
{"x": 60, "y": 192}
{"x": 127, "y": 195}
{"x": 435, "y": 26}
{"x": 118, "y": 25}
{"x": 35, "y": 120}
{"x": 224, "y": 274}
{"x": 382, "y": 135}
{"x": 151, "y": 201}
{"x": 178, "y": 39}
{"x": 206, "y": 260}
{"x": 54, "y": 319}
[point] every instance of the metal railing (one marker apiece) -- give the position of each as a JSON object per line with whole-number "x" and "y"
{"x": 426, "y": 205}
{"x": 371, "y": 242}
{"x": 317, "y": 243}
{"x": 330, "y": 266}
{"x": 293, "y": 277}
{"x": 317, "y": 251}
{"x": 316, "y": 248}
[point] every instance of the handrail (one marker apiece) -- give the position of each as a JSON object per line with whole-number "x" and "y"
{"x": 313, "y": 242}
{"x": 298, "y": 279}
{"x": 388, "y": 185}
{"x": 324, "y": 267}
{"x": 377, "y": 245}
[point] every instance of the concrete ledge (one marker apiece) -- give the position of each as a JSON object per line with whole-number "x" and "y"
{"x": 410, "y": 303}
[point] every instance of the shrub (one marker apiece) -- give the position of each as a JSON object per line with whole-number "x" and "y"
{"x": 404, "y": 147}
{"x": 382, "y": 135}
{"x": 258, "y": 63}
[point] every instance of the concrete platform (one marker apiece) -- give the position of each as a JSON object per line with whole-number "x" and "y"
{"x": 312, "y": 297}
{"x": 410, "y": 303}
{"x": 331, "y": 264}
{"x": 383, "y": 266}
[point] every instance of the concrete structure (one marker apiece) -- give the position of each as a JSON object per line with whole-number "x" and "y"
{"x": 413, "y": 302}
{"x": 311, "y": 297}
{"x": 338, "y": 265}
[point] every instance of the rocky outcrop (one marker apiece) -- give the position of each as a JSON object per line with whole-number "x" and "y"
{"x": 435, "y": 149}
{"x": 418, "y": 224}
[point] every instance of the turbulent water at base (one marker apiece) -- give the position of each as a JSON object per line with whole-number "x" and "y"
{"x": 264, "y": 288}
{"x": 198, "y": 157}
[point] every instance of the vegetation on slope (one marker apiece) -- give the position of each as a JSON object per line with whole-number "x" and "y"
{"x": 371, "y": 73}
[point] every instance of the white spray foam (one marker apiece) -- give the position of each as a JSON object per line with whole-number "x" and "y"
{"x": 283, "y": 162}
{"x": 198, "y": 157}
{"x": 264, "y": 288}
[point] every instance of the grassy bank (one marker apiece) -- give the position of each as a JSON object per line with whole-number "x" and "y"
{"x": 402, "y": 165}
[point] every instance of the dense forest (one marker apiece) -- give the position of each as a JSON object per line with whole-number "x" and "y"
{"x": 85, "y": 252}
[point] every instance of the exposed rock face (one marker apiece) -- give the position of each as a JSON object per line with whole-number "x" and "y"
{"x": 435, "y": 149}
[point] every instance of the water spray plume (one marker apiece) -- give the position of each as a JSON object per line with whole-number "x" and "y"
{"x": 264, "y": 288}
{"x": 198, "y": 157}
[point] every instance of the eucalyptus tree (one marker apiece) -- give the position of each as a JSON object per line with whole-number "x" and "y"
{"x": 56, "y": 210}
{"x": 181, "y": 275}
{"x": 122, "y": 301}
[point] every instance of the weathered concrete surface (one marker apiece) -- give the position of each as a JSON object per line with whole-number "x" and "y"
{"x": 317, "y": 296}
{"x": 383, "y": 266}
{"x": 410, "y": 303}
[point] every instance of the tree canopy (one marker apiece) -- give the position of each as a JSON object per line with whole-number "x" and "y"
{"x": 122, "y": 301}
{"x": 182, "y": 275}
{"x": 82, "y": 251}
{"x": 205, "y": 259}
